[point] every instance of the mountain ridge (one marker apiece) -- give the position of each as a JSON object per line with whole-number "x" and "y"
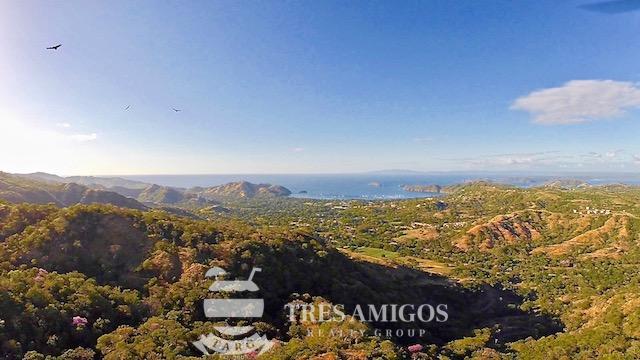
{"x": 16, "y": 189}
{"x": 244, "y": 189}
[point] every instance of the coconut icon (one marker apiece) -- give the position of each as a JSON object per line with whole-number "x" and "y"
{"x": 233, "y": 308}
{"x": 235, "y": 340}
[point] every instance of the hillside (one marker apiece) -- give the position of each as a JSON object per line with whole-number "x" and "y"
{"x": 608, "y": 240}
{"x": 569, "y": 252}
{"x": 596, "y": 233}
{"x": 244, "y": 189}
{"x": 524, "y": 272}
{"x": 160, "y": 194}
{"x": 164, "y": 195}
{"x": 16, "y": 189}
{"x": 144, "y": 268}
{"x": 150, "y": 194}
{"x": 90, "y": 181}
{"x": 565, "y": 183}
{"x": 516, "y": 228}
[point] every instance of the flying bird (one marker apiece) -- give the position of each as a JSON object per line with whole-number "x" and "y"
{"x": 127, "y": 108}
{"x": 176, "y": 110}
{"x": 54, "y": 47}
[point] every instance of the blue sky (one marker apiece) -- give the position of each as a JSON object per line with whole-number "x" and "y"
{"x": 317, "y": 86}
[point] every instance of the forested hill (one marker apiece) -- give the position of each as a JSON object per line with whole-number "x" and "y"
{"x": 243, "y": 189}
{"x": 17, "y": 189}
{"x": 151, "y": 194}
{"x": 138, "y": 279}
{"x": 527, "y": 274}
{"x": 90, "y": 181}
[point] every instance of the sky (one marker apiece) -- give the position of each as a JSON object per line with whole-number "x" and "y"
{"x": 317, "y": 87}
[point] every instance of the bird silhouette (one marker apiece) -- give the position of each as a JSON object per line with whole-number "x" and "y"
{"x": 176, "y": 110}
{"x": 127, "y": 107}
{"x": 54, "y": 47}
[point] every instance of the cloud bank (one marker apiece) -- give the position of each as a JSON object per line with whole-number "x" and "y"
{"x": 84, "y": 137}
{"x": 578, "y": 101}
{"x": 552, "y": 160}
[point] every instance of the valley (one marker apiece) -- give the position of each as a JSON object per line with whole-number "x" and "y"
{"x": 524, "y": 271}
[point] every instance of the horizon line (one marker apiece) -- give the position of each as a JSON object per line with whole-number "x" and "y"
{"x": 367, "y": 172}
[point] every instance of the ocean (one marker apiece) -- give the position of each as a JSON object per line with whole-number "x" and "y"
{"x": 370, "y": 186}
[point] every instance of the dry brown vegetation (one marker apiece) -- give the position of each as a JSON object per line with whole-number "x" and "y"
{"x": 615, "y": 229}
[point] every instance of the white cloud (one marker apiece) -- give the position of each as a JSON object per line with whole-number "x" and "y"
{"x": 606, "y": 156}
{"x": 84, "y": 137}
{"x": 514, "y": 159}
{"x": 592, "y": 155}
{"x": 550, "y": 160}
{"x": 63, "y": 125}
{"x": 297, "y": 149}
{"x": 579, "y": 101}
{"x": 613, "y": 154}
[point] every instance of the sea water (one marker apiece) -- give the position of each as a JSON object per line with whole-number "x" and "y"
{"x": 366, "y": 186}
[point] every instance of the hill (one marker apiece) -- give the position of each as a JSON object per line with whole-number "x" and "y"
{"x": 130, "y": 274}
{"x": 524, "y": 272}
{"x": 90, "y": 181}
{"x": 565, "y": 183}
{"x": 160, "y": 194}
{"x": 515, "y": 228}
{"x": 16, "y": 189}
{"x": 243, "y": 189}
